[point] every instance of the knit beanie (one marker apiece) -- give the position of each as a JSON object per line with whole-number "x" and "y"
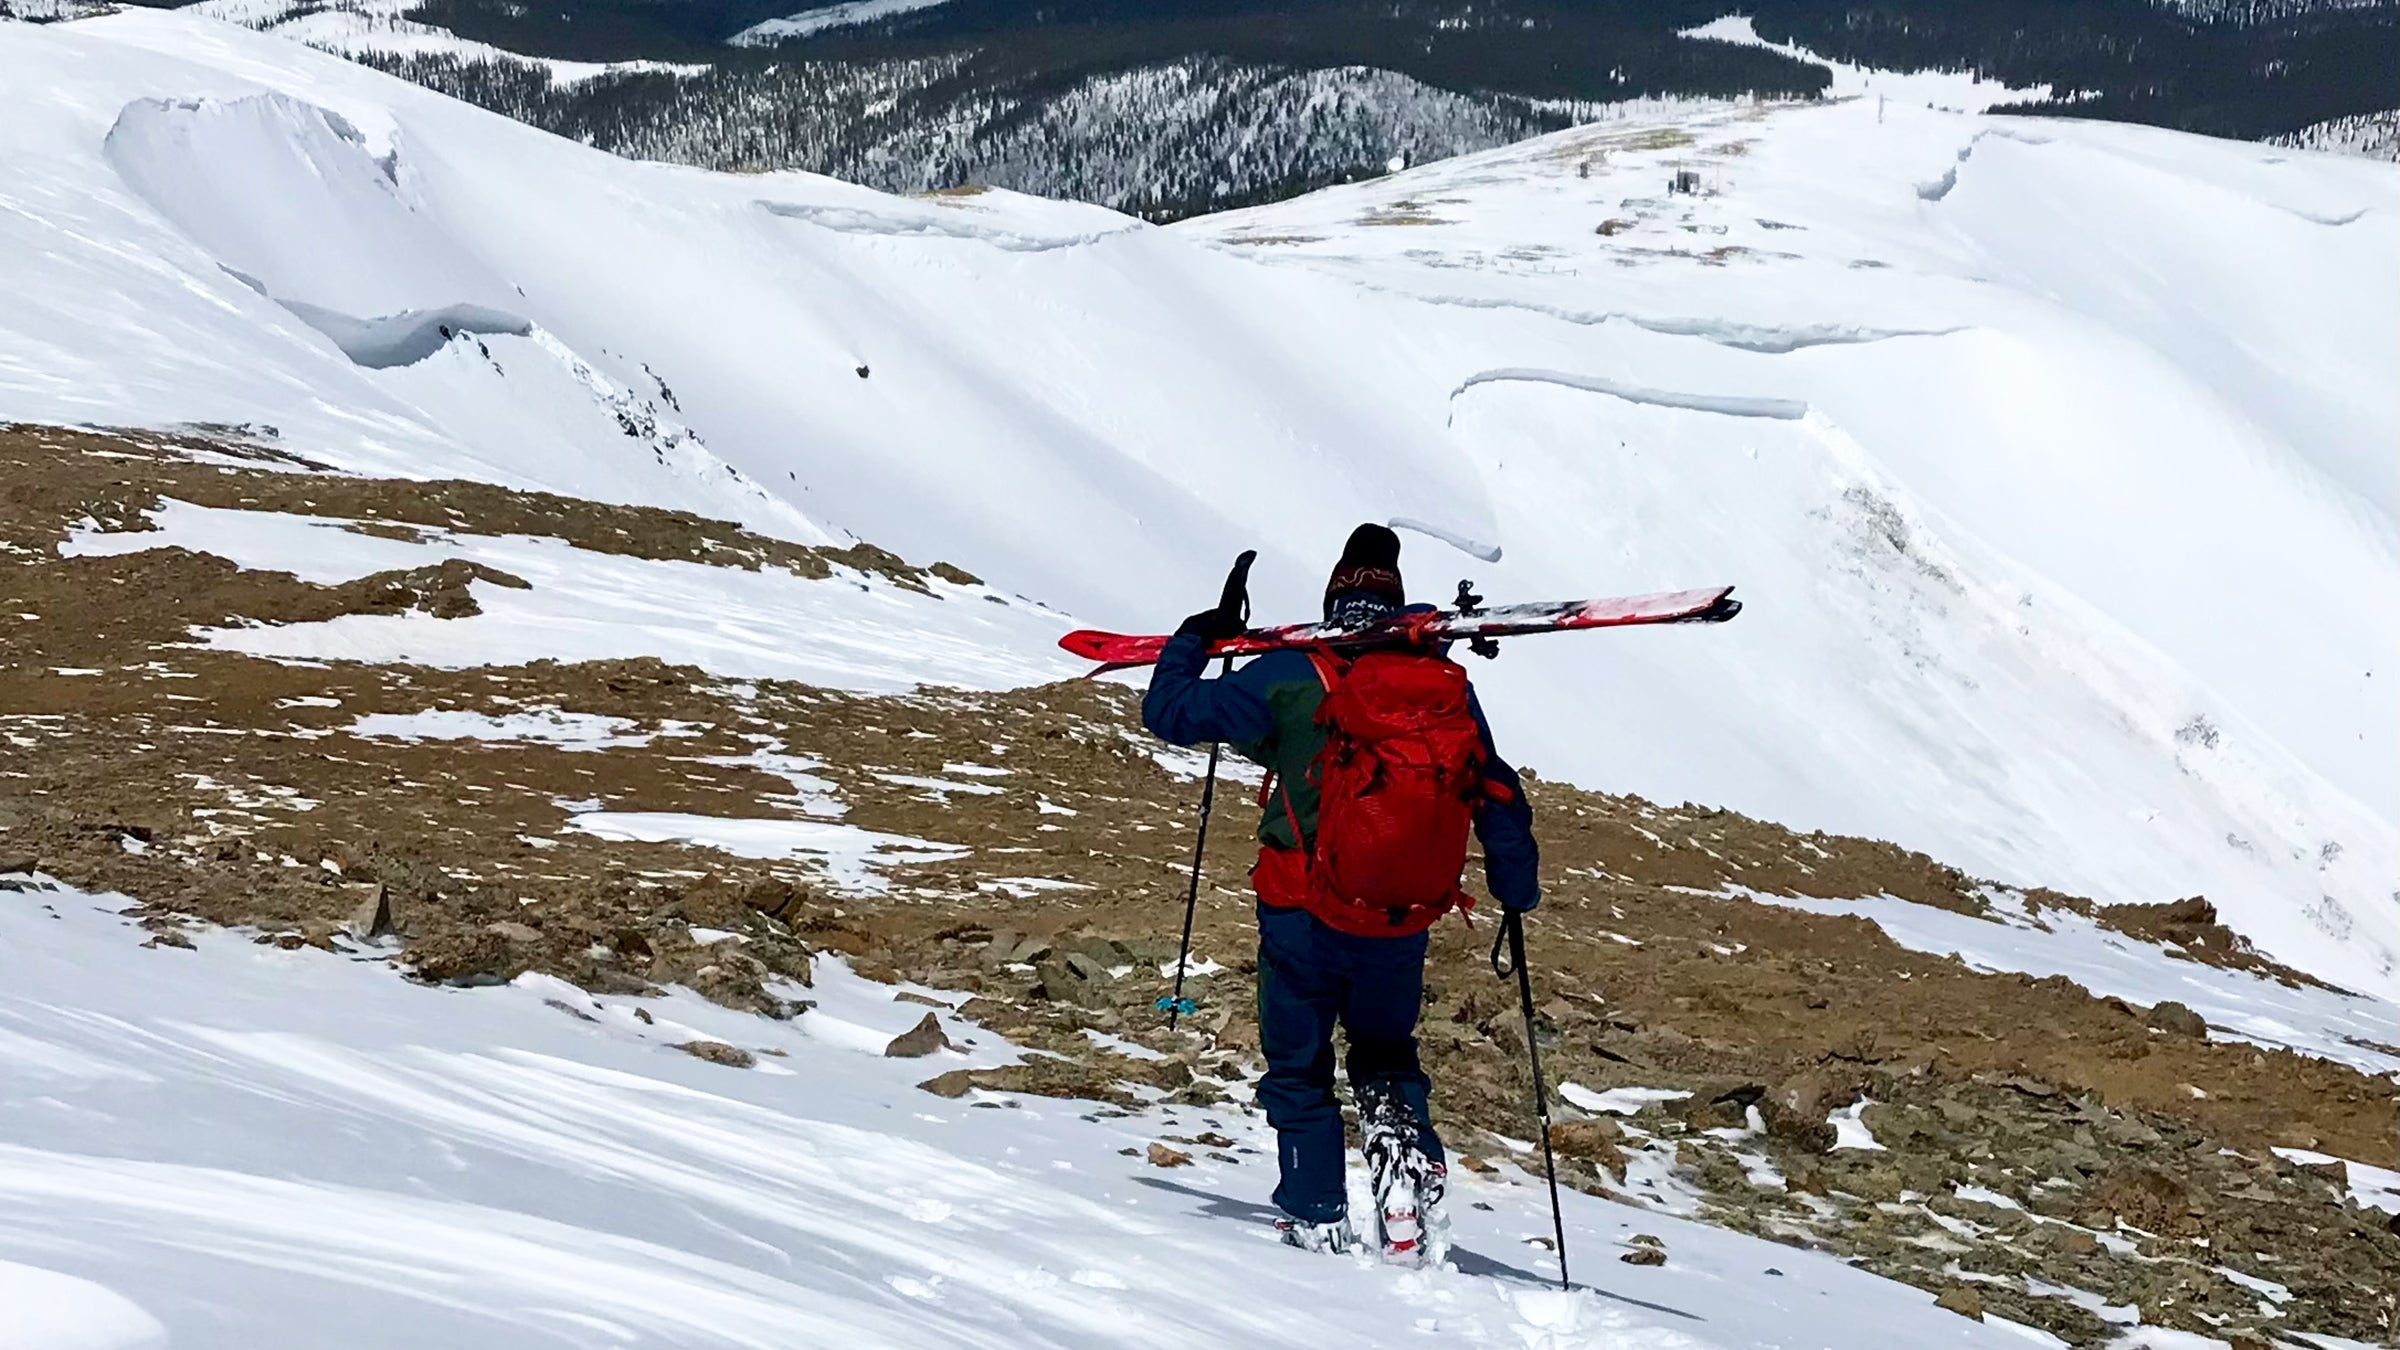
{"x": 1370, "y": 564}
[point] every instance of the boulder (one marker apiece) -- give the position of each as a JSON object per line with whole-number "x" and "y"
{"x": 2068, "y": 1241}
{"x": 2152, "y": 1201}
{"x": 919, "y": 1041}
{"x": 1963, "y": 1300}
{"x": 1062, "y": 982}
{"x": 371, "y": 918}
{"x": 1591, "y": 1141}
{"x": 718, "y": 1052}
{"x": 1795, "y": 1109}
{"x": 953, "y": 1084}
{"x": 2178, "y": 1020}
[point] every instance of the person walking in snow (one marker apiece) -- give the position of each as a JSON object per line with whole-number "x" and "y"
{"x": 1378, "y": 764}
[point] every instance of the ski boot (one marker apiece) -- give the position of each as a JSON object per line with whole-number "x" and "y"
{"x": 1410, "y": 1226}
{"x": 1334, "y": 1238}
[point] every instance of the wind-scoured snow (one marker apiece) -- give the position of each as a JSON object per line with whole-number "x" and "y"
{"x": 241, "y": 1146}
{"x": 2068, "y": 571}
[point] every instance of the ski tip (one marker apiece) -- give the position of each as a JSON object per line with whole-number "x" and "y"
{"x": 1719, "y": 610}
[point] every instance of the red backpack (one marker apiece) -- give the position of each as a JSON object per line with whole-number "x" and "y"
{"x": 1398, "y": 783}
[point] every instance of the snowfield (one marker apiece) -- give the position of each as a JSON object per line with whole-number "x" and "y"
{"x": 2052, "y": 458}
{"x": 241, "y": 1146}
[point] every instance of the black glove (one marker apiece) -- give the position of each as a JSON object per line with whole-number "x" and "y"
{"x": 1212, "y": 626}
{"x": 1232, "y": 612}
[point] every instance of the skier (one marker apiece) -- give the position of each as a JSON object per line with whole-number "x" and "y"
{"x": 1377, "y": 765}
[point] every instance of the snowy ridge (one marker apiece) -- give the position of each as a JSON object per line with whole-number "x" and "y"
{"x": 825, "y": 18}
{"x": 382, "y": 27}
{"x": 1951, "y": 91}
{"x": 2040, "y": 583}
{"x": 2368, "y": 135}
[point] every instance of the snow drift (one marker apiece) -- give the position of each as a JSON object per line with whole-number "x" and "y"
{"x": 2061, "y": 495}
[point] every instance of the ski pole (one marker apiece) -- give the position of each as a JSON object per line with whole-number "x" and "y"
{"x": 1512, "y": 931}
{"x": 1234, "y": 604}
{"x": 1175, "y": 1004}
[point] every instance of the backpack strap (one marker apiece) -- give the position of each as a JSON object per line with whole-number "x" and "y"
{"x": 1301, "y": 843}
{"x": 1329, "y": 667}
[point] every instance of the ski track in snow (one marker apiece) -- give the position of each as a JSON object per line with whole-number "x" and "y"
{"x": 255, "y": 1146}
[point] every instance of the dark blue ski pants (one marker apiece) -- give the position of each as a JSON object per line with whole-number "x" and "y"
{"x": 1311, "y": 978}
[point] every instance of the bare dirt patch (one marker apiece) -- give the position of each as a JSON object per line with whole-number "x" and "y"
{"x": 1402, "y": 212}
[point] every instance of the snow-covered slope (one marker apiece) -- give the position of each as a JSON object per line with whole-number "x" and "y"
{"x": 825, "y": 18}
{"x": 384, "y": 28}
{"x": 243, "y": 1146}
{"x": 1953, "y": 90}
{"x": 2052, "y": 457}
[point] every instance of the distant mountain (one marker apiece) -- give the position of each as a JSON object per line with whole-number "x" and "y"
{"x": 1174, "y": 107}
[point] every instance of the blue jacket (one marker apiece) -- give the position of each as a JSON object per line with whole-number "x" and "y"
{"x": 1266, "y": 710}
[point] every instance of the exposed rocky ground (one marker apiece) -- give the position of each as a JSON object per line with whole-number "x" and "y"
{"x": 2048, "y": 1156}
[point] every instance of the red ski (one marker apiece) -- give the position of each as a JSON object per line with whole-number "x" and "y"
{"x": 1715, "y": 604}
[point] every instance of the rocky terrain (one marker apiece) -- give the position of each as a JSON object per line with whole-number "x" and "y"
{"x": 2041, "y": 1152}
